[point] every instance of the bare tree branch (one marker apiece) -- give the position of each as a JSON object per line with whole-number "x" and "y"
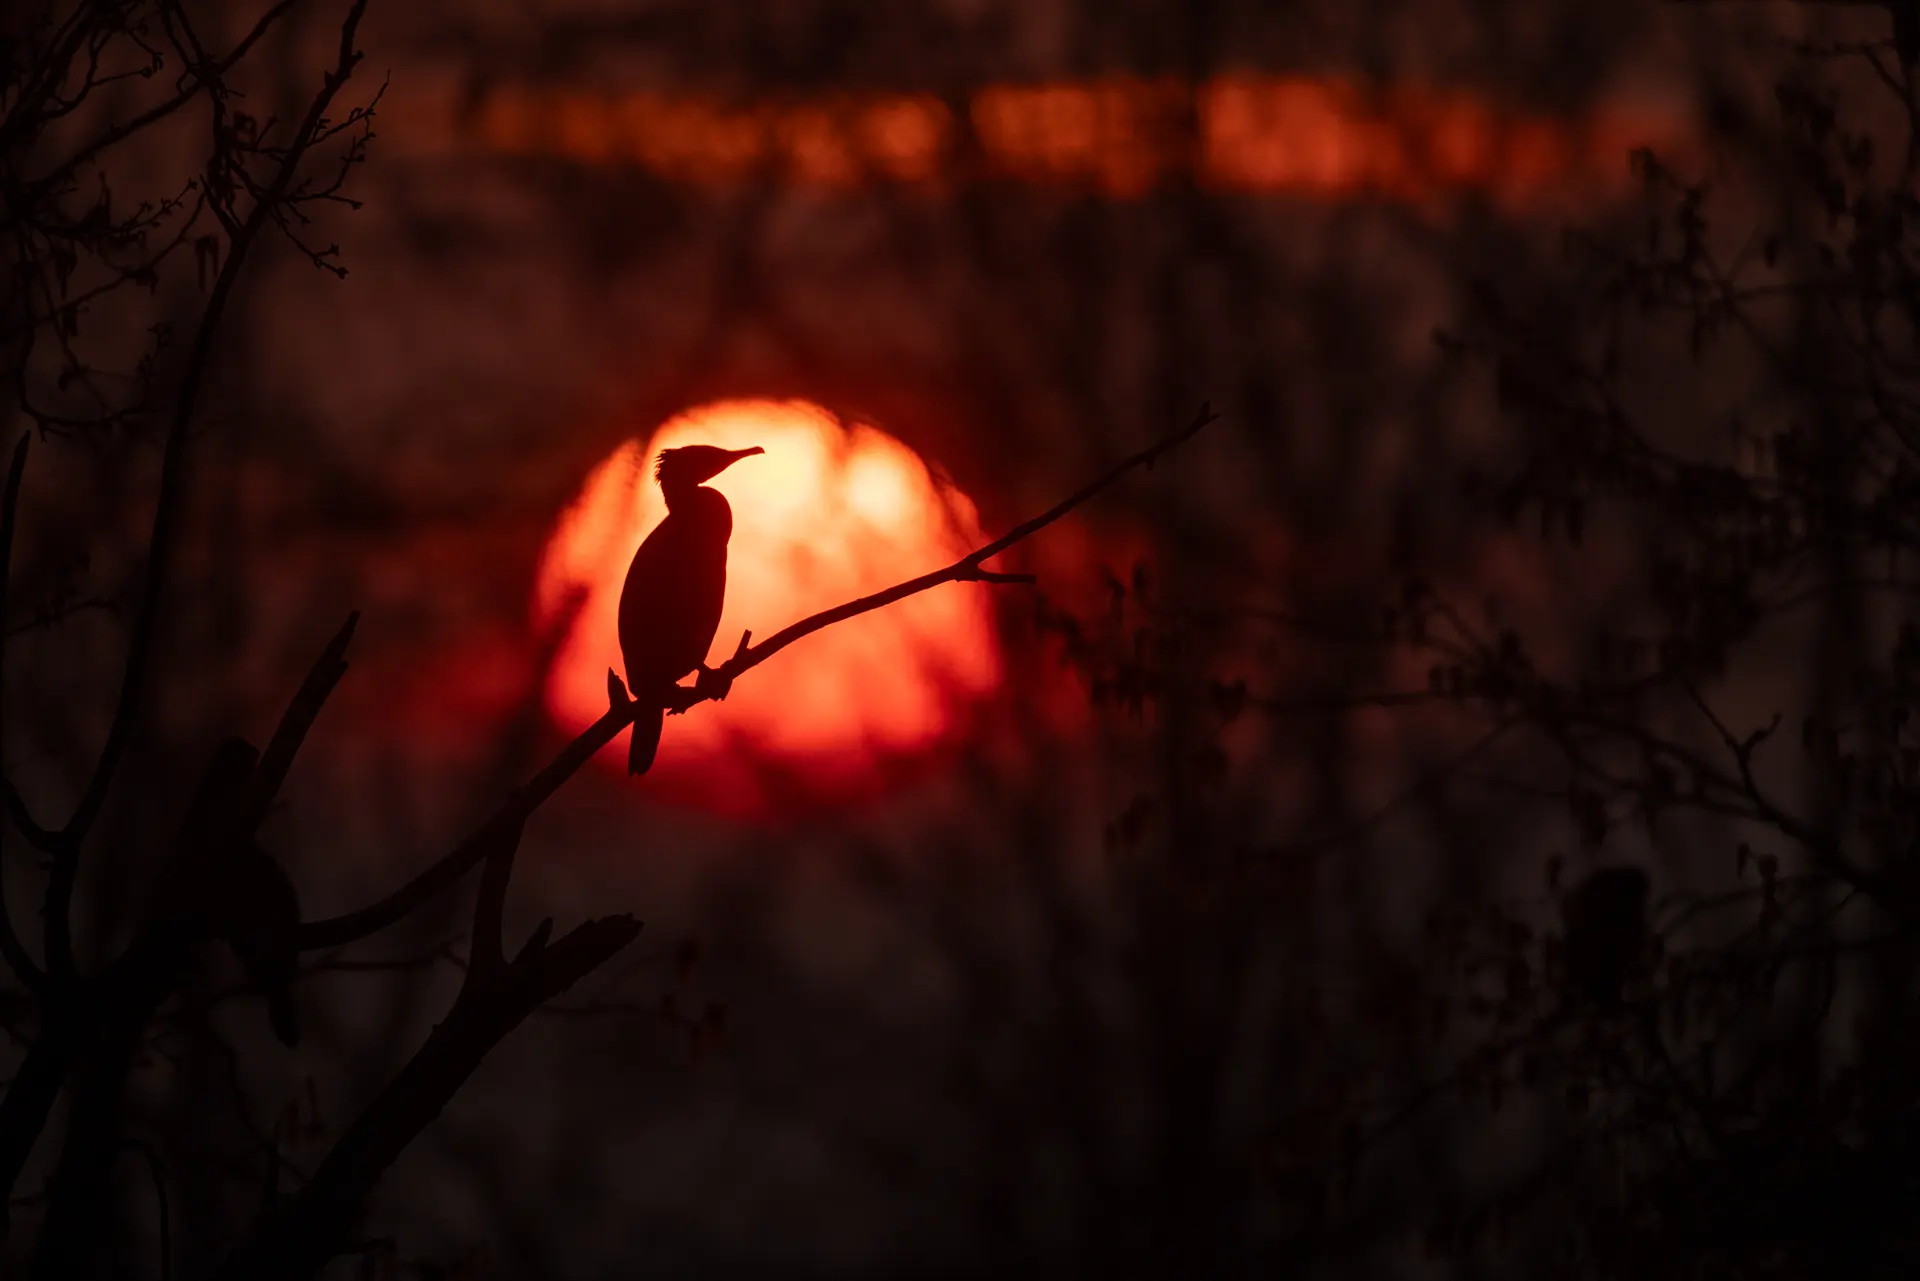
{"x": 308, "y": 1229}
{"x": 965, "y": 570}
{"x": 198, "y": 79}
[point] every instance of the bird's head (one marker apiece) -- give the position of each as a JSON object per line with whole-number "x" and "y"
{"x": 696, "y": 464}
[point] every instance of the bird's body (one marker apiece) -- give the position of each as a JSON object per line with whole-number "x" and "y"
{"x": 670, "y": 604}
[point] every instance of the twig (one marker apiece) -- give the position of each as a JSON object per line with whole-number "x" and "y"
{"x": 300, "y": 715}
{"x": 300, "y": 1236}
{"x": 965, "y": 570}
{"x": 501, "y": 843}
{"x": 121, "y": 132}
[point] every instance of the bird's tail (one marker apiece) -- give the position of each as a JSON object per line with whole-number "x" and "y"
{"x": 646, "y": 738}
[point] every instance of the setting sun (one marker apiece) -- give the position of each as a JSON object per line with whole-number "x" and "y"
{"x": 831, "y": 512}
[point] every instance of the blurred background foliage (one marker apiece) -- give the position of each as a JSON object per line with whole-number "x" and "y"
{"x": 1263, "y": 964}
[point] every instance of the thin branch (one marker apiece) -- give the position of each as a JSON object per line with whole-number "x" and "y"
{"x": 1378, "y": 816}
{"x": 966, "y": 569}
{"x": 121, "y": 132}
{"x": 502, "y": 842}
{"x": 285, "y": 744}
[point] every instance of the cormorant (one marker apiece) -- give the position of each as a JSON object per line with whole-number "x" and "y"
{"x": 670, "y": 605}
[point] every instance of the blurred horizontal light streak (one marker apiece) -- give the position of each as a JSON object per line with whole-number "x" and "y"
{"x": 1312, "y": 136}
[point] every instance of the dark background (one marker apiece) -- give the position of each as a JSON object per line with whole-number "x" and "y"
{"x": 1093, "y": 1006}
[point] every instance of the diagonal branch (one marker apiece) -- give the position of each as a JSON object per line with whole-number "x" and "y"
{"x": 338, "y": 930}
{"x": 195, "y": 80}
{"x": 300, "y": 715}
{"x": 299, "y": 1237}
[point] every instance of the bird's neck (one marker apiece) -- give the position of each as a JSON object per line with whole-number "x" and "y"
{"x": 696, "y": 500}
{"x": 680, "y": 496}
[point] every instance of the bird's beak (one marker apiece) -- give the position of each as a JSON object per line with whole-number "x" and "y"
{"x": 735, "y": 455}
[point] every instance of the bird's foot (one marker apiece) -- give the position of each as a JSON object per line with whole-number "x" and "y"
{"x": 713, "y": 682}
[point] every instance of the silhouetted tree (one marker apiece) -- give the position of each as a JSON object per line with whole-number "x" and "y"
{"x": 89, "y": 1008}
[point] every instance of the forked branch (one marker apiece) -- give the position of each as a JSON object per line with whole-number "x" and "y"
{"x": 300, "y": 715}
{"x": 300, "y": 1235}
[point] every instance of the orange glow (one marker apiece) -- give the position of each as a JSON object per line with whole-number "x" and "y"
{"x": 1320, "y": 136}
{"x": 829, "y": 513}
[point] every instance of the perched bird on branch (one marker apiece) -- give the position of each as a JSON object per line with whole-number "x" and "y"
{"x": 670, "y": 605}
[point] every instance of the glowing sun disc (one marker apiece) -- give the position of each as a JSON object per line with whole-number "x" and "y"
{"x": 831, "y": 512}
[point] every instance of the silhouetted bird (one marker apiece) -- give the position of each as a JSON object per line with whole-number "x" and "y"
{"x": 1606, "y": 922}
{"x": 670, "y": 605}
